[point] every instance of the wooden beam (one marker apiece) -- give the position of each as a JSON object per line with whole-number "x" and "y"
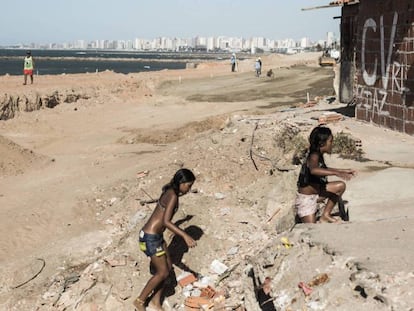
{"x": 331, "y": 5}
{"x": 321, "y": 7}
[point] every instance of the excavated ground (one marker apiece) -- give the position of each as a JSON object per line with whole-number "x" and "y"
{"x": 77, "y": 181}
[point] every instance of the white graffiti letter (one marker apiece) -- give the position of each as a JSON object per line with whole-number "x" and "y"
{"x": 368, "y": 79}
{"x": 395, "y": 83}
{"x": 385, "y": 72}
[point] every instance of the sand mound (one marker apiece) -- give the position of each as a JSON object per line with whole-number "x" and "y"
{"x": 15, "y": 159}
{"x": 151, "y": 136}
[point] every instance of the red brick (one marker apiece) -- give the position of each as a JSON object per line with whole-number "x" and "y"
{"x": 385, "y": 121}
{"x": 409, "y": 128}
{"x": 375, "y": 117}
{"x": 391, "y": 123}
{"x": 194, "y": 303}
{"x": 187, "y": 280}
{"x": 399, "y": 112}
{"x": 369, "y": 115}
{"x": 208, "y": 292}
{"x": 399, "y": 125}
{"x": 410, "y": 114}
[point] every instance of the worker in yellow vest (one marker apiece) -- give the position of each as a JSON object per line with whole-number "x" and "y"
{"x": 28, "y": 67}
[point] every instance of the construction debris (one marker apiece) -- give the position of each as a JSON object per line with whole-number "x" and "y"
{"x": 330, "y": 117}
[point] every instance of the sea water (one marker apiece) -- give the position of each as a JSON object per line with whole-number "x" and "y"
{"x": 52, "y": 62}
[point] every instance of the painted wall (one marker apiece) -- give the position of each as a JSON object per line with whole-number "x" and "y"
{"x": 382, "y": 45}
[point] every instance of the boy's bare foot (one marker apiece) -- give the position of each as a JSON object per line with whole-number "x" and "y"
{"x": 139, "y": 304}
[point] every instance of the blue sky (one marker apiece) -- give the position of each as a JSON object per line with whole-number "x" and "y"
{"x": 45, "y": 21}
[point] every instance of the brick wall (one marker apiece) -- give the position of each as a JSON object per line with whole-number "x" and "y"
{"x": 383, "y": 86}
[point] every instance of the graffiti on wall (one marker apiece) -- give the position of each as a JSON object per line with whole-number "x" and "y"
{"x": 390, "y": 74}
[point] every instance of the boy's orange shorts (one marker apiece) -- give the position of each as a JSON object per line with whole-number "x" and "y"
{"x": 28, "y": 71}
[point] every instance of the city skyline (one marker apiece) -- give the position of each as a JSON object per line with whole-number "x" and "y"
{"x": 46, "y": 22}
{"x": 220, "y": 43}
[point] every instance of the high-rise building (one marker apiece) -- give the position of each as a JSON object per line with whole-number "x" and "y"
{"x": 305, "y": 43}
{"x": 330, "y": 38}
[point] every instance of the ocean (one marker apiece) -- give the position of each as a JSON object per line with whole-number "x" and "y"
{"x": 53, "y": 62}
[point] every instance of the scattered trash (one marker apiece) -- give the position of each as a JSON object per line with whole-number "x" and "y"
{"x": 319, "y": 279}
{"x": 186, "y": 278}
{"x": 305, "y": 288}
{"x": 142, "y": 174}
{"x": 43, "y": 264}
{"x": 197, "y": 303}
{"x": 218, "y": 267}
{"x": 285, "y": 242}
{"x": 330, "y": 99}
{"x": 143, "y": 202}
{"x": 203, "y": 282}
{"x": 208, "y": 292}
{"x": 225, "y": 274}
{"x": 273, "y": 215}
{"x": 309, "y": 104}
{"x": 219, "y": 196}
{"x": 151, "y": 199}
{"x": 330, "y": 117}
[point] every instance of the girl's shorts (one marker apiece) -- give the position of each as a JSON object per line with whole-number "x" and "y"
{"x": 306, "y": 204}
{"x": 151, "y": 244}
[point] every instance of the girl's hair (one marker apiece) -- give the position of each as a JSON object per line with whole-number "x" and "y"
{"x": 318, "y": 138}
{"x": 180, "y": 177}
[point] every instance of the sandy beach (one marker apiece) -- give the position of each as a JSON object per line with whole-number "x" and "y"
{"x": 82, "y": 156}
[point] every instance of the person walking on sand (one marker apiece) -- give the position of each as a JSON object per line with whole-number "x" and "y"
{"x": 151, "y": 240}
{"x": 233, "y": 62}
{"x": 258, "y": 67}
{"x": 313, "y": 186}
{"x": 261, "y": 65}
{"x": 28, "y": 67}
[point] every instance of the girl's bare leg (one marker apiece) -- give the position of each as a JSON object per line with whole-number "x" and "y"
{"x": 333, "y": 192}
{"x": 162, "y": 271}
{"x": 156, "y": 302}
{"x": 309, "y": 219}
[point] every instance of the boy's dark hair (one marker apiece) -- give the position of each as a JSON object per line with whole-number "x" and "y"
{"x": 180, "y": 177}
{"x": 318, "y": 138}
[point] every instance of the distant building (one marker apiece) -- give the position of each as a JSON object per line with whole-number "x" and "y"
{"x": 305, "y": 43}
{"x": 330, "y": 39}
